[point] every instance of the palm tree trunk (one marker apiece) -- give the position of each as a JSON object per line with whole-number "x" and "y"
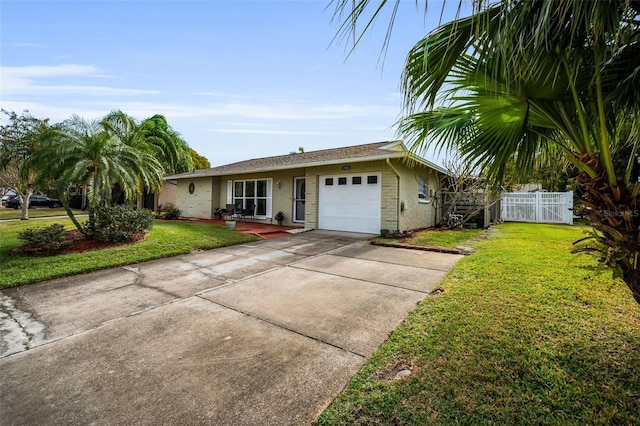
{"x": 612, "y": 212}
{"x": 67, "y": 208}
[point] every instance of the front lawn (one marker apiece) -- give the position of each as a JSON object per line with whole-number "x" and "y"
{"x": 450, "y": 238}
{"x": 167, "y": 238}
{"x": 524, "y": 333}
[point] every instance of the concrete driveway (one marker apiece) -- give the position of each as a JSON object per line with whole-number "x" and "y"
{"x": 261, "y": 333}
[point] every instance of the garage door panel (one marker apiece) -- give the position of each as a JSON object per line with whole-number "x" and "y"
{"x": 350, "y": 207}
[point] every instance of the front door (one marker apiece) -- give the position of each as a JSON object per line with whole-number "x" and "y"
{"x": 298, "y": 199}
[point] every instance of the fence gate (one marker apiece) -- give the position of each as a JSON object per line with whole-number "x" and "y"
{"x": 540, "y": 207}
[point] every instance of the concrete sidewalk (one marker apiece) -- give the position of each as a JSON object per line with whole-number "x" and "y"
{"x": 262, "y": 333}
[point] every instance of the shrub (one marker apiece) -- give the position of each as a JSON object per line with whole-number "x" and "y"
{"x": 48, "y": 240}
{"x": 171, "y": 212}
{"x": 118, "y": 223}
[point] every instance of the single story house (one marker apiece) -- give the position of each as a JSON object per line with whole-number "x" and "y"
{"x": 363, "y": 188}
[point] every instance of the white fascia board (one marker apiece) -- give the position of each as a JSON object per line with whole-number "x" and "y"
{"x": 427, "y": 163}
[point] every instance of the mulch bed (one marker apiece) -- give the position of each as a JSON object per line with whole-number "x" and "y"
{"x": 80, "y": 245}
{"x": 83, "y": 244}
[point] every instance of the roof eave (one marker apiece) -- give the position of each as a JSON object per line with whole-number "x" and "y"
{"x": 291, "y": 166}
{"x": 381, "y": 157}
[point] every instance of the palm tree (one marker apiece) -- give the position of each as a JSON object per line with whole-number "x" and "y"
{"x": 152, "y": 135}
{"x": 82, "y": 153}
{"x": 522, "y": 79}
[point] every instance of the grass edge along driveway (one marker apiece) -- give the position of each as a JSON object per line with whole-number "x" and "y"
{"x": 166, "y": 238}
{"x": 524, "y": 333}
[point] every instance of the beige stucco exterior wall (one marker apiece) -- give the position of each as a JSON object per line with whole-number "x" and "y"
{"x": 415, "y": 212}
{"x": 168, "y": 193}
{"x": 215, "y": 194}
{"x": 199, "y": 203}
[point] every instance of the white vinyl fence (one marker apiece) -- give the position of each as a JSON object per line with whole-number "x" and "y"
{"x": 540, "y": 207}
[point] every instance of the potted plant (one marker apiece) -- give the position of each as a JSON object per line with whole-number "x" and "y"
{"x": 279, "y": 217}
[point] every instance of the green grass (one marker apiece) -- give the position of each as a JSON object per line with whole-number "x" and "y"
{"x": 6, "y": 213}
{"x": 448, "y": 238}
{"x": 167, "y": 238}
{"x": 524, "y": 333}
{"x": 441, "y": 238}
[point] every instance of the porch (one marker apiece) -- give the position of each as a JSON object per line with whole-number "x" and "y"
{"x": 259, "y": 229}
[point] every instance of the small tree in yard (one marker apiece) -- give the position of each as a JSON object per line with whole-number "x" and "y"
{"x": 20, "y": 138}
{"x": 464, "y": 193}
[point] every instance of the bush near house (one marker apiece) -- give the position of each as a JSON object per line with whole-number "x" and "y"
{"x": 44, "y": 241}
{"x": 170, "y": 212}
{"x": 118, "y": 223}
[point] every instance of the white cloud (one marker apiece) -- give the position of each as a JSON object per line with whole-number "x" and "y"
{"x": 24, "y": 44}
{"x": 265, "y": 132}
{"x": 223, "y": 95}
{"x": 26, "y": 81}
{"x": 51, "y": 71}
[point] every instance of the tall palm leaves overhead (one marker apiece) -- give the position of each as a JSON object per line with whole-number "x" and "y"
{"x": 152, "y": 135}
{"x": 521, "y": 79}
{"x": 530, "y": 74}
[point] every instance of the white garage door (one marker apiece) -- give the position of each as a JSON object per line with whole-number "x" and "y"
{"x": 350, "y": 203}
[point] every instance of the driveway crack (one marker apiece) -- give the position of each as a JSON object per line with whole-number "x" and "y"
{"x": 20, "y": 330}
{"x": 140, "y": 282}
{"x": 275, "y": 324}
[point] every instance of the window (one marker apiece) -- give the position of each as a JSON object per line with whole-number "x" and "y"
{"x": 423, "y": 190}
{"x": 356, "y": 180}
{"x": 328, "y": 181}
{"x": 342, "y": 181}
{"x": 256, "y": 193}
{"x": 372, "y": 180}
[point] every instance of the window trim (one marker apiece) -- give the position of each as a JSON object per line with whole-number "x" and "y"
{"x": 269, "y": 197}
{"x": 423, "y": 196}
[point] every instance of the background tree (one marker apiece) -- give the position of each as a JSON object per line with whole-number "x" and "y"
{"x": 20, "y": 138}
{"x": 152, "y": 135}
{"x": 520, "y": 78}
{"x": 199, "y": 161}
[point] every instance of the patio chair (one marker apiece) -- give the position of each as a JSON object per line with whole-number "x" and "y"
{"x": 228, "y": 212}
{"x": 248, "y": 212}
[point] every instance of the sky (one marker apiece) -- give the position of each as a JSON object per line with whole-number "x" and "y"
{"x": 237, "y": 79}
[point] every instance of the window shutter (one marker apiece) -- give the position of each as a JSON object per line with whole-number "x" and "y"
{"x": 229, "y": 192}
{"x": 269, "y": 195}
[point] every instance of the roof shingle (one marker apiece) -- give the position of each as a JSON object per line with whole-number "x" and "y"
{"x": 378, "y": 149}
{"x": 371, "y": 151}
